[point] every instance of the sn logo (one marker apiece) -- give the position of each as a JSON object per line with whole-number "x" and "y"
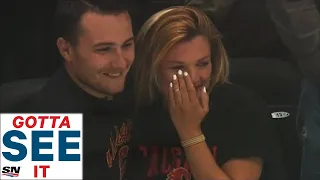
{"x": 11, "y": 171}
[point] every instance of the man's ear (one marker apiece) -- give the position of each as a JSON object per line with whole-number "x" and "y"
{"x": 65, "y": 49}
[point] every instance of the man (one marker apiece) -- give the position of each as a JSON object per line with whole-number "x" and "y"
{"x": 95, "y": 39}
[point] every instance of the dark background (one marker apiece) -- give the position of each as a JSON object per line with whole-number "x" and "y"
{"x": 29, "y": 49}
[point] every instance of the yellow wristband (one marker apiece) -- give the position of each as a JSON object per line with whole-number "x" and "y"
{"x": 193, "y": 141}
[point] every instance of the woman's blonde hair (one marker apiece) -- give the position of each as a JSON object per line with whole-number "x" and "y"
{"x": 159, "y": 34}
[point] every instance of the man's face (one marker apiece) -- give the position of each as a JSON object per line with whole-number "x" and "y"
{"x": 104, "y": 53}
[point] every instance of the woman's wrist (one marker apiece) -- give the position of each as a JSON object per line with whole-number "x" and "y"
{"x": 193, "y": 141}
{"x": 189, "y": 134}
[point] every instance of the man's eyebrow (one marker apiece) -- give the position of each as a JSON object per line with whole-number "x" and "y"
{"x": 181, "y": 62}
{"x": 112, "y": 43}
{"x": 129, "y": 39}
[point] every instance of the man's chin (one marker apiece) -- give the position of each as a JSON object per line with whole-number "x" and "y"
{"x": 113, "y": 91}
{"x": 113, "y": 87}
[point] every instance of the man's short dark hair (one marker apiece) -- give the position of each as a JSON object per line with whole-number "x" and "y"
{"x": 69, "y": 13}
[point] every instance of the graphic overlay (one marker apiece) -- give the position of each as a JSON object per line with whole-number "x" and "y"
{"x": 41, "y": 146}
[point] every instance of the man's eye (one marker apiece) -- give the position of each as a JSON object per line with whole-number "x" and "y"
{"x": 104, "y": 49}
{"x": 127, "y": 45}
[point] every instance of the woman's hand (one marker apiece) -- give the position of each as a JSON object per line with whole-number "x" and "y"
{"x": 186, "y": 109}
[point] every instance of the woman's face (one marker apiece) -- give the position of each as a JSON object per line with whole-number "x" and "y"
{"x": 193, "y": 56}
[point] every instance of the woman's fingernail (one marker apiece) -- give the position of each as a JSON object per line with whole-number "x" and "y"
{"x": 174, "y": 77}
{"x": 180, "y": 72}
{"x": 204, "y": 90}
{"x": 185, "y": 73}
{"x": 171, "y": 84}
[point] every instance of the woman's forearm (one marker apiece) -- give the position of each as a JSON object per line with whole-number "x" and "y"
{"x": 203, "y": 165}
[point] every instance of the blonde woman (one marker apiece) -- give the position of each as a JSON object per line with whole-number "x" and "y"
{"x": 192, "y": 123}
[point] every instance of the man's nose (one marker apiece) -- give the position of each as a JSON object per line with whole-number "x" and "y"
{"x": 119, "y": 61}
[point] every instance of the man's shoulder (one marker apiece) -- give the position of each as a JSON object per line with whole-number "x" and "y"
{"x": 55, "y": 95}
{"x": 43, "y": 102}
{"x": 40, "y": 102}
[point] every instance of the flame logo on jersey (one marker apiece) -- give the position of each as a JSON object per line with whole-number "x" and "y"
{"x": 179, "y": 174}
